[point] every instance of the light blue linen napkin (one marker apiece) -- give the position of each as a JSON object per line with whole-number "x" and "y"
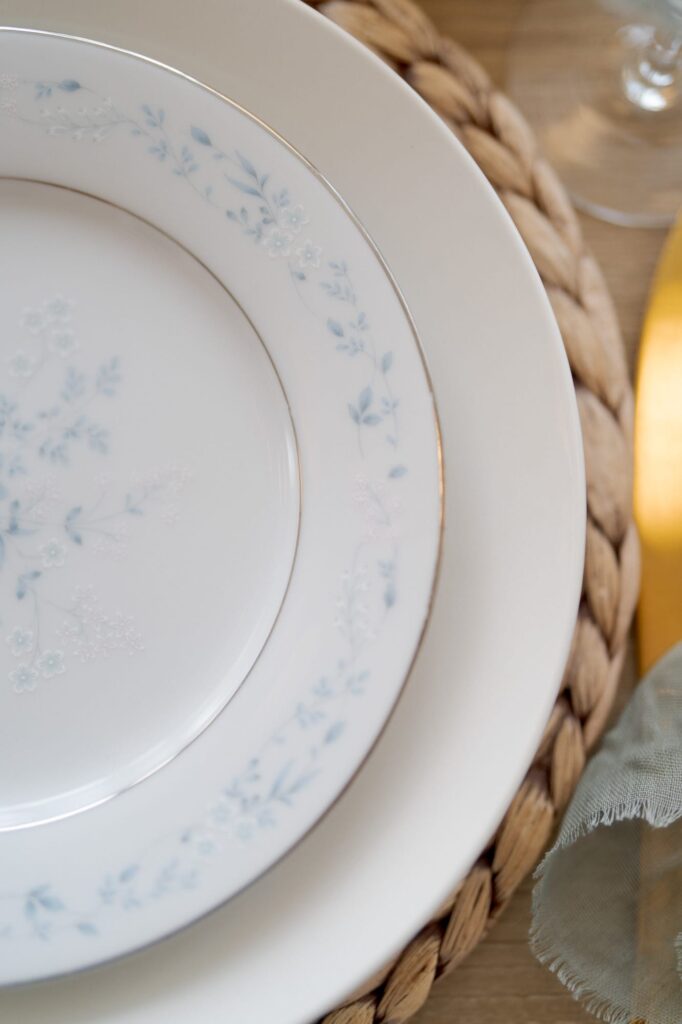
{"x": 607, "y": 906}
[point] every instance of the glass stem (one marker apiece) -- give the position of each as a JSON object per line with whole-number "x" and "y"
{"x": 652, "y": 75}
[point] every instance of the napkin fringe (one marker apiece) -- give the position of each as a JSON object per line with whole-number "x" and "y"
{"x": 659, "y": 811}
{"x": 541, "y": 943}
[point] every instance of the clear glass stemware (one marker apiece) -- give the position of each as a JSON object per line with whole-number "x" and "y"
{"x": 601, "y": 83}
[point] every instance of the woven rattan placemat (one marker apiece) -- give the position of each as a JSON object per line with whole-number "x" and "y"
{"x": 501, "y": 142}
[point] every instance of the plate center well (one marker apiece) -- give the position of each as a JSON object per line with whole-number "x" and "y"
{"x": 149, "y": 500}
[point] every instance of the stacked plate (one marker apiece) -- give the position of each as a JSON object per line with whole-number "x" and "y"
{"x": 284, "y": 422}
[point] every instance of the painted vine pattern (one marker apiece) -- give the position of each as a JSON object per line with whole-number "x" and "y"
{"x": 266, "y": 214}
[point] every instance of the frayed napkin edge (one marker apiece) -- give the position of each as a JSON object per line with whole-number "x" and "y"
{"x": 604, "y": 1009}
{"x": 657, "y": 812}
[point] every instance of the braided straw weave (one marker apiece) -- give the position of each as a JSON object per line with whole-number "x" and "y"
{"x": 501, "y": 142}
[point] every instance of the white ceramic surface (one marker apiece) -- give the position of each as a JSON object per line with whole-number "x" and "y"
{"x": 307, "y": 933}
{"x": 137, "y": 396}
{"x": 154, "y": 554}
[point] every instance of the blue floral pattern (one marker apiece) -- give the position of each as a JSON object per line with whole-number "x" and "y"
{"x": 39, "y": 532}
{"x": 254, "y": 800}
{"x": 265, "y": 214}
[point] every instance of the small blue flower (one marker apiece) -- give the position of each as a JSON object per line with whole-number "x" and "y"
{"x": 58, "y": 308}
{"x": 308, "y": 255}
{"x": 23, "y": 678}
{"x": 33, "y": 320}
{"x": 53, "y": 554}
{"x": 63, "y": 343}
{"x": 294, "y": 218}
{"x": 20, "y": 641}
{"x": 50, "y": 664}
{"x": 277, "y": 243}
{"x": 21, "y": 365}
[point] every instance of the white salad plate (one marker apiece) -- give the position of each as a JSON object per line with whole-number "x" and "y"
{"x": 221, "y": 485}
{"x": 350, "y": 895}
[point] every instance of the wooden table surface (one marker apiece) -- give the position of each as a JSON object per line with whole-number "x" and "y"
{"x": 501, "y": 983}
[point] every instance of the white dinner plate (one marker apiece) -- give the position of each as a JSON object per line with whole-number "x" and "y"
{"x": 447, "y": 766}
{"x": 219, "y": 460}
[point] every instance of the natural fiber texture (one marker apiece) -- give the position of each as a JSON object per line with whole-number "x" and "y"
{"x": 503, "y": 145}
{"x": 606, "y": 905}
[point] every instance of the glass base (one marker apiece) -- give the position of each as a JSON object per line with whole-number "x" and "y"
{"x": 611, "y": 127}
